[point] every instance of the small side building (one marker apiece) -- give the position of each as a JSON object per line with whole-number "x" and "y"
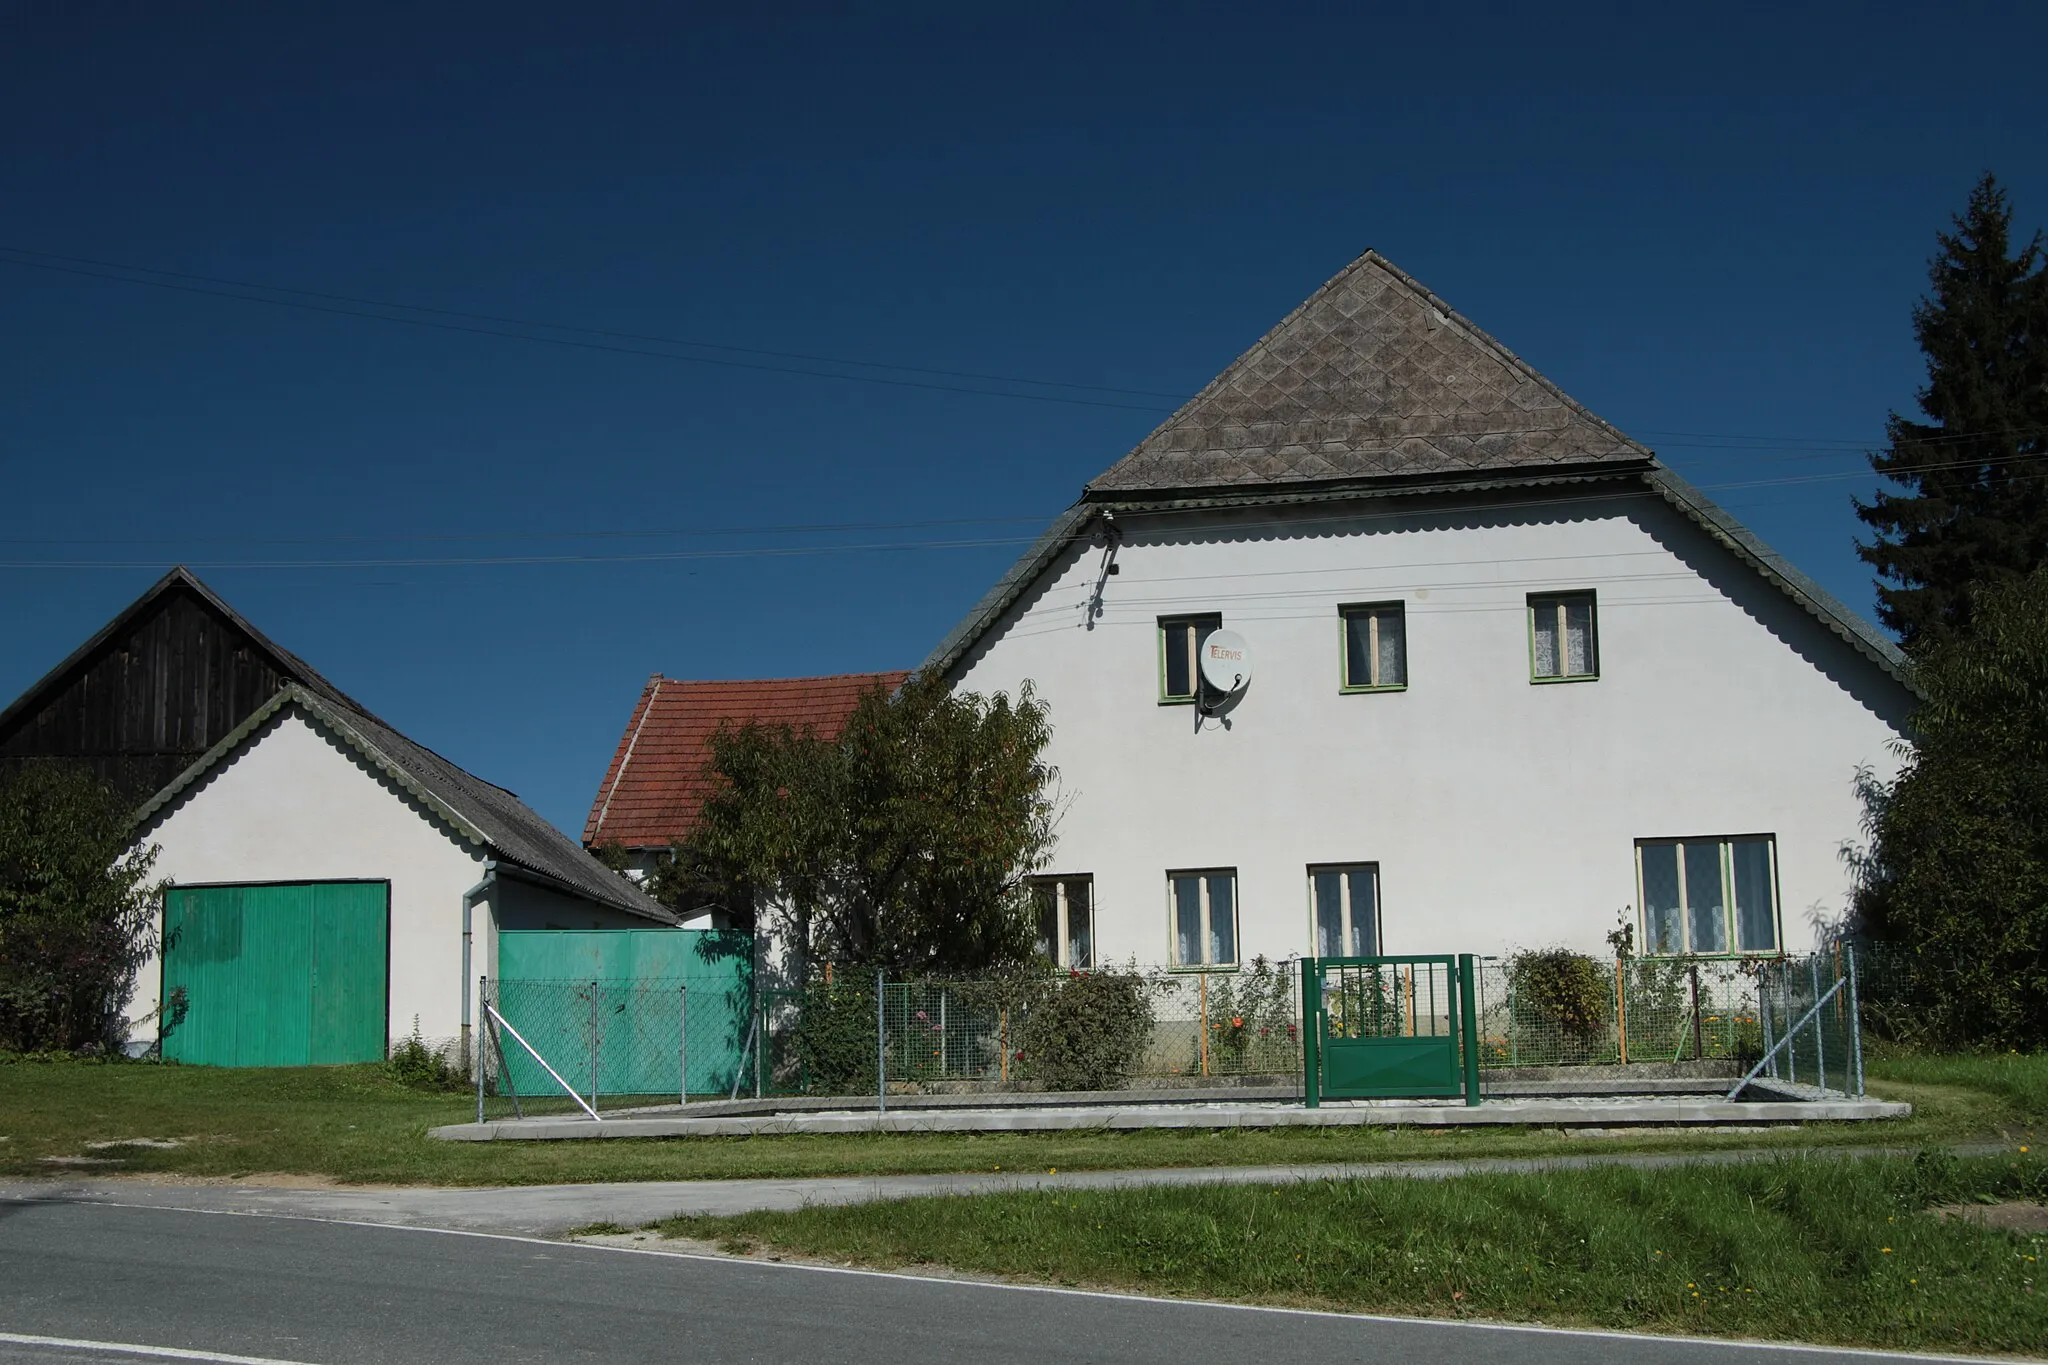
{"x": 333, "y": 883}
{"x": 660, "y": 776}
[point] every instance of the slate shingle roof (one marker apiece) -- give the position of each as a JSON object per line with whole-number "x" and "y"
{"x": 1373, "y": 376}
{"x": 656, "y": 785}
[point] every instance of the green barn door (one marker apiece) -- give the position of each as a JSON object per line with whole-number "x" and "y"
{"x": 279, "y": 975}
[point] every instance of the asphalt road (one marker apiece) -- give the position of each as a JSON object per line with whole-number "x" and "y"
{"x": 298, "y": 1290}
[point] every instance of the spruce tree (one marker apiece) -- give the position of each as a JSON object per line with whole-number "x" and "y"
{"x": 1975, "y": 509}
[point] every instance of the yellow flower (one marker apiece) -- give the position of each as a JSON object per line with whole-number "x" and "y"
{"x": 1886, "y": 1250}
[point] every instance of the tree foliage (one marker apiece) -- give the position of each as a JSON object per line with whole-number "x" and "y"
{"x": 903, "y": 841}
{"x": 77, "y": 909}
{"x": 1975, "y": 509}
{"x": 1954, "y": 877}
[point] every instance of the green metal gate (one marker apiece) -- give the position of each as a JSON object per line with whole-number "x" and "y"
{"x": 1390, "y": 1028}
{"x": 278, "y": 974}
{"x": 620, "y": 996}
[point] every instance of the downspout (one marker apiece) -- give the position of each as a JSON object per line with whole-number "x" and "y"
{"x": 469, "y": 900}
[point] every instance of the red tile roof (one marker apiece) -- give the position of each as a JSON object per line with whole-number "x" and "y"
{"x": 656, "y": 784}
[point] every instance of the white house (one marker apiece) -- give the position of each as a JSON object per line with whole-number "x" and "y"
{"x": 1510, "y": 679}
{"x": 332, "y": 880}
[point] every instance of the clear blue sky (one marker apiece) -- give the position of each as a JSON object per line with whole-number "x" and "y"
{"x": 1708, "y": 223}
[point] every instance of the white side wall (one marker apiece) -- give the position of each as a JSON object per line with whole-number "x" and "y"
{"x": 295, "y": 805}
{"x": 1501, "y": 813}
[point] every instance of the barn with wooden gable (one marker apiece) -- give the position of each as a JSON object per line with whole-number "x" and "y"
{"x": 332, "y": 880}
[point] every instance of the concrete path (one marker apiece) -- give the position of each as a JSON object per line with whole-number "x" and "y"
{"x": 551, "y": 1210}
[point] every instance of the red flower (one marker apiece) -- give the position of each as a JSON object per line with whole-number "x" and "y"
{"x": 1236, "y": 1022}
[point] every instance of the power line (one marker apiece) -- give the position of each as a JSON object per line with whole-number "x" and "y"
{"x": 1815, "y": 446}
{"x": 588, "y": 345}
{"x": 571, "y": 327}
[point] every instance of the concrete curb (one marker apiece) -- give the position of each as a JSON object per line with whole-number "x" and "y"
{"x": 1666, "y": 1112}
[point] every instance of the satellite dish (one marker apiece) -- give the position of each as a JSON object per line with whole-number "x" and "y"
{"x": 1226, "y": 662}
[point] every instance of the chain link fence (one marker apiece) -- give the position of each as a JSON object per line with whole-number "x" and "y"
{"x": 1078, "y": 1031}
{"x": 552, "y": 1047}
{"x": 587, "y": 1046}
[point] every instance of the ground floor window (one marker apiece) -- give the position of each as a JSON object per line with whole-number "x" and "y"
{"x": 1346, "y": 901}
{"x": 1203, "y": 904}
{"x": 1709, "y": 895}
{"x": 1066, "y": 919}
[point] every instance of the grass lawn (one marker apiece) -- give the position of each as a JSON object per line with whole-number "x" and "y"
{"x": 1845, "y": 1252}
{"x": 355, "y": 1124}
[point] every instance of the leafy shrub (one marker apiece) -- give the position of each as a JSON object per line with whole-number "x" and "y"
{"x": 833, "y": 1045}
{"x": 1088, "y": 1031}
{"x": 77, "y": 909}
{"x": 1253, "y": 1025}
{"x": 416, "y": 1065}
{"x": 1561, "y": 994}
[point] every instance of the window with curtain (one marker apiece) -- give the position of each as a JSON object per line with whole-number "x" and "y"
{"x": 1065, "y": 905}
{"x": 1564, "y": 643}
{"x": 1203, "y": 905}
{"x": 1346, "y": 905}
{"x": 1709, "y": 896}
{"x": 1180, "y": 643}
{"x": 1375, "y": 647}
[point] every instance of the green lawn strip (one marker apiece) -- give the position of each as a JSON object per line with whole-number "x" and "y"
{"x": 355, "y": 1124}
{"x": 1839, "y": 1252}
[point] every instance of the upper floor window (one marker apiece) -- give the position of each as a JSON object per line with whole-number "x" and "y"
{"x": 1564, "y": 643}
{"x": 1065, "y": 906}
{"x": 1709, "y": 896}
{"x": 1347, "y": 909}
{"x": 1375, "y": 647}
{"x": 1204, "y": 909}
{"x": 1180, "y": 642}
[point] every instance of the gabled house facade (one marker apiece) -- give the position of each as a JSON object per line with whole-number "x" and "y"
{"x": 1498, "y": 677}
{"x": 332, "y": 881}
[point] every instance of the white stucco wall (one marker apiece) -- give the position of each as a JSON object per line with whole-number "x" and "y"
{"x": 1501, "y": 813}
{"x": 294, "y": 804}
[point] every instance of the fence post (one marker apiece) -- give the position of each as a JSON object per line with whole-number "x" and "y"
{"x": 1855, "y": 1018}
{"x": 682, "y": 1044}
{"x": 1468, "y": 992}
{"x": 881, "y": 1046}
{"x": 483, "y": 984}
{"x": 1698, "y": 1049}
{"x": 1820, "y": 1042}
{"x": 1620, "y": 1012}
{"x": 1763, "y": 1012}
{"x": 593, "y": 1047}
{"x": 1202, "y": 994}
{"x": 1311, "y": 1045}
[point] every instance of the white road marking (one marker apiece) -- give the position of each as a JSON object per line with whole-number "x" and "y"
{"x": 129, "y": 1348}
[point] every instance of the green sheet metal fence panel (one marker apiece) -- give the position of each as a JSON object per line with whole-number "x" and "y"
{"x": 1389, "y": 1027}
{"x": 278, "y": 974}
{"x": 612, "y": 1002}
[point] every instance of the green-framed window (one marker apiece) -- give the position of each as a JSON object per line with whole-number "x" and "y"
{"x": 1203, "y": 907}
{"x": 1564, "y": 637}
{"x": 1709, "y": 896}
{"x": 1344, "y": 904}
{"x": 1180, "y": 643}
{"x": 1375, "y": 646}
{"x": 1065, "y": 907}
